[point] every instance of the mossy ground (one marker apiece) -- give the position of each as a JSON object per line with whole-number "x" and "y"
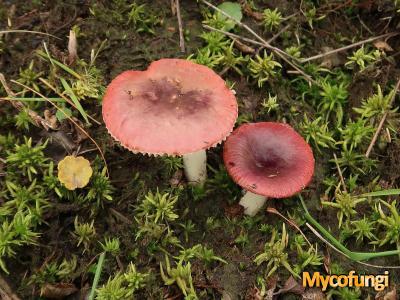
{"x": 236, "y": 239}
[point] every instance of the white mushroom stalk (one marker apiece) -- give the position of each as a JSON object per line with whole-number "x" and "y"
{"x": 252, "y": 203}
{"x": 195, "y": 166}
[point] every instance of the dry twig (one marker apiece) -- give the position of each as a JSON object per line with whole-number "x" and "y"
{"x": 340, "y": 172}
{"x": 378, "y": 130}
{"x": 181, "y": 36}
{"x": 290, "y": 222}
{"x": 387, "y": 35}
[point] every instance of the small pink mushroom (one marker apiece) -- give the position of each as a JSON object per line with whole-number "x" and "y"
{"x": 268, "y": 160}
{"x": 175, "y": 107}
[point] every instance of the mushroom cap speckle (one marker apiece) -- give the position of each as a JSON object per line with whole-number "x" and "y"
{"x": 174, "y": 107}
{"x": 269, "y": 159}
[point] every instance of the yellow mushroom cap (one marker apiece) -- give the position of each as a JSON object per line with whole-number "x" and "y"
{"x": 74, "y": 172}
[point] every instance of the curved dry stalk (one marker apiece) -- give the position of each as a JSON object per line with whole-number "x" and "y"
{"x": 290, "y": 222}
{"x": 386, "y": 35}
{"x": 28, "y": 31}
{"x": 69, "y": 118}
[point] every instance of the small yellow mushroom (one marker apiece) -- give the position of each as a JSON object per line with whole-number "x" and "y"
{"x": 74, "y": 172}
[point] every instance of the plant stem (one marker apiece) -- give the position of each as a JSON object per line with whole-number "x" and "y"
{"x": 97, "y": 275}
{"x": 356, "y": 256}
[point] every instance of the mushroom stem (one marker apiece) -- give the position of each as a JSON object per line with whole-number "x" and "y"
{"x": 252, "y": 203}
{"x": 195, "y": 165}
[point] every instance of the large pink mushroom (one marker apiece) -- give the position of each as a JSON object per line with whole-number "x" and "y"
{"x": 175, "y": 107}
{"x": 267, "y": 159}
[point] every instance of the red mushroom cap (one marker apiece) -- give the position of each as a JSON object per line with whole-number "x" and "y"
{"x": 175, "y": 107}
{"x": 269, "y": 159}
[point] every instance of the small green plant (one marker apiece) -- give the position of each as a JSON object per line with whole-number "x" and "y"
{"x": 84, "y": 233}
{"x": 232, "y": 60}
{"x": 188, "y": 228}
{"x": 54, "y": 272}
{"x": 355, "y": 133}
{"x": 344, "y": 293}
{"x": 31, "y": 199}
{"x": 114, "y": 289}
{"x": 111, "y": 245}
{"x": 311, "y": 16}
{"x": 29, "y": 77}
{"x": 208, "y": 256}
{"x": 158, "y": 207}
{"x": 100, "y": 188}
{"x": 294, "y": 51}
{"x": 346, "y": 204}
{"x": 7, "y": 243}
{"x": 272, "y": 19}
{"x": 375, "y": 106}
{"x": 23, "y": 120}
{"x": 363, "y": 228}
{"x": 305, "y": 258}
{"x": 181, "y": 275}
{"x": 52, "y": 183}
{"x": 362, "y": 58}
{"x": 269, "y": 104}
{"x": 262, "y": 68}
{"x": 275, "y": 254}
{"x": 242, "y": 239}
{"x": 206, "y": 57}
{"x": 356, "y": 162}
{"x": 141, "y": 19}
{"x": 216, "y": 41}
{"x": 27, "y": 159}
{"x": 317, "y": 133}
{"x": 390, "y": 223}
{"x": 134, "y": 279}
{"x": 89, "y": 85}
{"x": 334, "y": 97}
{"x": 172, "y": 163}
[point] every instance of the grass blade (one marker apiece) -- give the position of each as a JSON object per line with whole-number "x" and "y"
{"x": 32, "y": 99}
{"x": 97, "y": 276}
{"x": 61, "y": 65}
{"x": 390, "y": 192}
{"x": 74, "y": 99}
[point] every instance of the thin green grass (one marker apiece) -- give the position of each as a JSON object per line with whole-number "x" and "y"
{"x": 97, "y": 276}
{"x": 355, "y": 256}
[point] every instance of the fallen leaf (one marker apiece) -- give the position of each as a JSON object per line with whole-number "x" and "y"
{"x": 332, "y": 60}
{"x": 74, "y": 172}
{"x": 58, "y": 290}
{"x": 382, "y": 45}
{"x": 51, "y": 119}
{"x": 176, "y": 179}
{"x": 232, "y": 9}
{"x": 244, "y": 48}
{"x": 291, "y": 286}
{"x": 327, "y": 262}
{"x": 258, "y": 16}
